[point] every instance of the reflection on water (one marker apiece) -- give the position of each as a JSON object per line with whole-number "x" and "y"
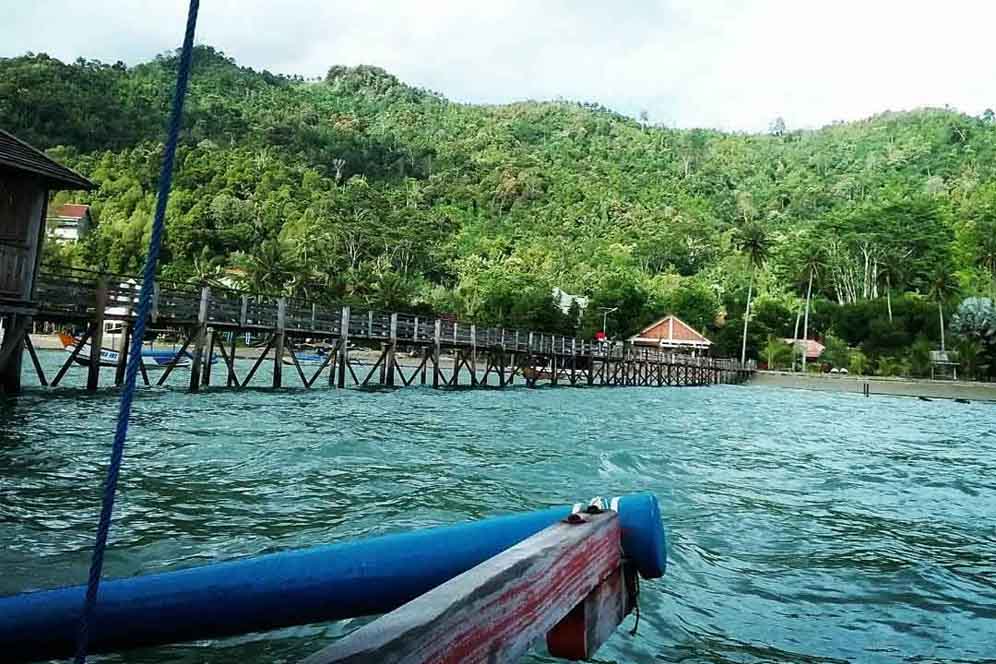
{"x": 803, "y": 526}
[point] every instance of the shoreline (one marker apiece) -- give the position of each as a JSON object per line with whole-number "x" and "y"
{"x": 878, "y": 386}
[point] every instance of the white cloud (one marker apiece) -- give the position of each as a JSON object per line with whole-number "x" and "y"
{"x": 720, "y": 63}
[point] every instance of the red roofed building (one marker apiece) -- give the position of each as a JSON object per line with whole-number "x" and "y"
{"x": 672, "y": 333}
{"x": 69, "y": 222}
{"x": 814, "y": 349}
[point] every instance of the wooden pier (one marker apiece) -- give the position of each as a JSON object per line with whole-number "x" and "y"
{"x": 210, "y": 320}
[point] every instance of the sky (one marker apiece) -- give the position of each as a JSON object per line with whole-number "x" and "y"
{"x": 725, "y": 64}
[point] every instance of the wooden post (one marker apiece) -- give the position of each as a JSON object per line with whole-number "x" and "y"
{"x": 391, "y": 350}
{"x": 370, "y": 324}
{"x": 244, "y": 314}
{"x": 199, "y": 338}
{"x": 457, "y": 364}
{"x": 436, "y": 340}
{"x": 593, "y": 621}
{"x": 343, "y": 347}
{"x": 119, "y": 371}
{"x": 473, "y": 355}
{"x": 154, "y": 315}
{"x": 590, "y": 377}
{"x": 494, "y": 612}
{"x": 97, "y": 340}
{"x": 426, "y": 356}
{"x": 232, "y": 378}
{"x": 206, "y": 373}
{"x": 554, "y": 360}
{"x": 574, "y": 360}
{"x": 501, "y": 361}
{"x": 531, "y": 378}
{"x": 12, "y": 354}
{"x": 278, "y": 357}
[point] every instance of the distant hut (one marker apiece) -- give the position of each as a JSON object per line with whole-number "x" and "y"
{"x": 814, "y": 349}
{"x": 27, "y": 176}
{"x": 673, "y": 334}
{"x": 69, "y": 223}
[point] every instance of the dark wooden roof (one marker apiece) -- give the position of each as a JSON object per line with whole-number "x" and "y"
{"x": 17, "y": 155}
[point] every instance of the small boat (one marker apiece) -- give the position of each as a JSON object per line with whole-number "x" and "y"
{"x": 110, "y": 357}
{"x": 316, "y": 356}
{"x": 306, "y": 358}
{"x": 529, "y": 373}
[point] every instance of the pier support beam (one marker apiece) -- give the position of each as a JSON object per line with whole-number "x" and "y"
{"x": 12, "y": 352}
{"x": 436, "y": 341}
{"x": 278, "y": 357}
{"x": 343, "y": 348}
{"x": 391, "y": 351}
{"x": 97, "y": 340}
{"x": 119, "y": 371}
{"x": 209, "y": 358}
{"x": 199, "y": 338}
{"x": 473, "y": 355}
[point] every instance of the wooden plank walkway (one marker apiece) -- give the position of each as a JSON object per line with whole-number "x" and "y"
{"x": 209, "y": 320}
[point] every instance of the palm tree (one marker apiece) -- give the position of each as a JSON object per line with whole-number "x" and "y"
{"x": 943, "y": 285}
{"x": 812, "y": 264}
{"x": 753, "y": 242}
{"x": 270, "y": 268}
{"x": 205, "y": 270}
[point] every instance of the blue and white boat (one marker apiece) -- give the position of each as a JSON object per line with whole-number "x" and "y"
{"x": 110, "y": 357}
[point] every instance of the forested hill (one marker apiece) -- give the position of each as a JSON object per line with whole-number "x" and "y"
{"x": 360, "y": 187}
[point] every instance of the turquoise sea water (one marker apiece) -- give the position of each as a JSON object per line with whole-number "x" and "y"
{"x": 802, "y": 526}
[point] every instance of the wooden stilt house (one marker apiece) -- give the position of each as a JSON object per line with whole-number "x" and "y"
{"x": 27, "y": 176}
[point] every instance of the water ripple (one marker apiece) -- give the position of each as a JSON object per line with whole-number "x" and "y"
{"x": 803, "y": 527}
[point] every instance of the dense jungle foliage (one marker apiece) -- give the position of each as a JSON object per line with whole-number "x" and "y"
{"x": 361, "y": 188}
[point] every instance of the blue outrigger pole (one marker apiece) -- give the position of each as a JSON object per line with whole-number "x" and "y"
{"x": 318, "y": 584}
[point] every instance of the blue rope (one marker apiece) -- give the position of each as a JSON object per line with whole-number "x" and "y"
{"x": 135, "y": 352}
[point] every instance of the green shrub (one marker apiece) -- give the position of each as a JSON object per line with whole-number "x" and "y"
{"x": 891, "y": 366}
{"x": 970, "y": 355}
{"x": 837, "y": 354}
{"x": 919, "y": 357}
{"x": 777, "y": 353}
{"x": 857, "y": 363}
